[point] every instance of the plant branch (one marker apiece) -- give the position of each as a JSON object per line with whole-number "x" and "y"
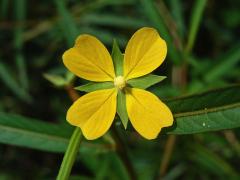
{"x": 70, "y": 155}
{"x": 74, "y": 144}
{"x": 167, "y": 154}
{"x": 72, "y": 93}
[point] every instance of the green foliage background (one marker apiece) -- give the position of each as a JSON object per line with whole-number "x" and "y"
{"x": 203, "y": 54}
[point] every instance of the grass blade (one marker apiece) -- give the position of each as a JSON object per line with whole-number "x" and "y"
{"x": 20, "y": 11}
{"x": 177, "y": 11}
{"x": 71, "y": 31}
{"x": 27, "y": 132}
{"x": 227, "y": 64}
{"x": 194, "y": 23}
{"x": 12, "y": 84}
{"x": 152, "y": 14}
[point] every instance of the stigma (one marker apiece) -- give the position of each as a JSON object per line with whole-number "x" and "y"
{"x": 119, "y": 82}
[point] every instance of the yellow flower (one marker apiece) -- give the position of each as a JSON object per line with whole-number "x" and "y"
{"x": 95, "y": 111}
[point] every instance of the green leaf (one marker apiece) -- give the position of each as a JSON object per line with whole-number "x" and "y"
{"x": 93, "y": 86}
{"x": 69, "y": 77}
{"x": 145, "y": 81}
{"x": 71, "y": 31}
{"x": 21, "y": 131}
{"x": 59, "y": 79}
{"x": 205, "y": 100}
{"x": 207, "y": 120}
{"x": 113, "y": 20}
{"x": 196, "y": 17}
{"x": 209, "y": 111}
{"x": 20, "y": 14}
{"x": 121, "y": 108}
{"x": 177, "y": 9}
{"x": 55, "y": 79}
{"x": 117, "y": 57}
{"x": 212, "y": 162}
{"x": 36, "y": 134}
{"x": 11, "y": 83}
{"x": 225, "y": 64}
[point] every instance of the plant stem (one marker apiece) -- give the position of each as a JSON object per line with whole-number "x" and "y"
{"x": 232, "y": 139}
{"x": 70, "y": 155}
{"x": 167, "y": 154}
{"x": 73, "y": 95}
{"x": 74, "y": 143}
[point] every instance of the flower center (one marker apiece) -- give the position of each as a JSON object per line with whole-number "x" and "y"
{"x": 119, "y": 82}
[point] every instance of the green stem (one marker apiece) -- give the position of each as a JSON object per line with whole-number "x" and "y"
{"x": 70, "y": 155}
{"x": 194, "y": 23}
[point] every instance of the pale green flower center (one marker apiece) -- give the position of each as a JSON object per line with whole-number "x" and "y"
{"x": 119, "y": 82}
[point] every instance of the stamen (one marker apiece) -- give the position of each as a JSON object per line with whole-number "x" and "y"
{"x": 119, "y": 82}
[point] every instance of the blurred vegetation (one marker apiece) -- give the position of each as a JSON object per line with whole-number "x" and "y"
{"x": 203, "y": 53}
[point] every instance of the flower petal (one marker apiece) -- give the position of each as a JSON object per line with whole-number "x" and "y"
{"x": 145, "y": 51}
{"x": 89, "y": 59}
{"x": 147, "y": 113}
{"x": 94, "y": 112}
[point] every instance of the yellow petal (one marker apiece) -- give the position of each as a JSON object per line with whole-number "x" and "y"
{"x": 145, "y": 51}
{"x": 94, "y": 112}
{"x": 147, "y": 113}
{"x": 89, "y": 59}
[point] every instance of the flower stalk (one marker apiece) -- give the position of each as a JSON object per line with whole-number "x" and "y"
{"x": 70, "y": 155}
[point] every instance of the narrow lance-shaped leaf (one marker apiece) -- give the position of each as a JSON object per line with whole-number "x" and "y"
{"x": 59, "y": 80}
{"x": 196, "y": 17}
{"x": 18, "y": 130}
{"x": 113, "y": 20}
{"x": 117, "y": 57}
{"x": 209, "y": 111}
{"x": 93, "y": 86}
{"x": 146, "y": 81}
{"x": 11, "y": 83}
{"x": 226, "y": 63}
{"x": 55, "y": 79}
{"x": 71, "y": 31}
{"x": 36, "y": 134}
{"x": 121, "y": 108}
{"x": 214, "y": 162}
{"x": 20, "y": 14}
